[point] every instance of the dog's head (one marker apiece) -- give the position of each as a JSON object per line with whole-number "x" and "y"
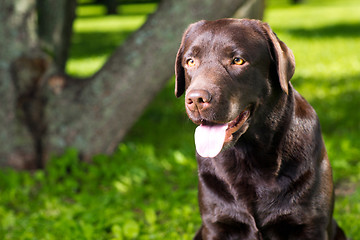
{"x": 227, "y": 68}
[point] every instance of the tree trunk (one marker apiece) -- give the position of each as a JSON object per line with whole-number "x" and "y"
{"x": 17, "y": 36}
{"x": 93, "y": 115}
{"x": 23, "y": 70}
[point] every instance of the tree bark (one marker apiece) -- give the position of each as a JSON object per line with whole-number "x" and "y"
{"x": 17, "y": 36}
{"x": 93, "y": 115}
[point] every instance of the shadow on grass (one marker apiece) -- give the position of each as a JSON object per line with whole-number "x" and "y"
{"x": 85, "y": 45}
{"x": 338, "y": 111}
{"x": 165, "y": 125}
{"x": 342, "y": 29}
{"x": 338, "y": 108}
{"x": 341, "y": 111}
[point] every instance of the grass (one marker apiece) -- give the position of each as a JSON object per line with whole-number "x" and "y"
{"x": 147, "y": 188}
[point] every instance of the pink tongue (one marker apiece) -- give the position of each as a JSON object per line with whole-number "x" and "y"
{"x": 209, "y": 140}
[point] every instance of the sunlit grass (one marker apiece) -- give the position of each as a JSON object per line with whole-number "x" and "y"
{"x": 128, "y": 9}
{"x": 79, "y": 68}
{"x": 108, "y": 24}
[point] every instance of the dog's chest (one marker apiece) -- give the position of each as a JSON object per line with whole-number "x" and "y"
{"x": 238, "y": 193}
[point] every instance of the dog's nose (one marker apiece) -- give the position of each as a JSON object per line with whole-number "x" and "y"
{"x": 197, "y": 99}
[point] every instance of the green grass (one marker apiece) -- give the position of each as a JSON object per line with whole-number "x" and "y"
{"x": 147, "y": 188}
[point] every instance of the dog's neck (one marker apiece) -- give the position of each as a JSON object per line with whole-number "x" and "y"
{"x": 268, "y": 130}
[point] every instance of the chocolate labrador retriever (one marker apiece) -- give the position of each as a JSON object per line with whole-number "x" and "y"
{"x": 262, "y": 164}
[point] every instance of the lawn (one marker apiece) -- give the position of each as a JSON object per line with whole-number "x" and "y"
{"x": 148, "y": 188}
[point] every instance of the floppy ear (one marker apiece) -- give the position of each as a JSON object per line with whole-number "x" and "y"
{"x": 179, "y": 70}
{"x": 283, "y": 57}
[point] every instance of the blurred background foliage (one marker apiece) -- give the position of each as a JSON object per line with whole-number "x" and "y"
{"x": 148, "y": 188}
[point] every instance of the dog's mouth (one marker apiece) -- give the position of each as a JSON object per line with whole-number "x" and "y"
{"x": 211, "y": 137}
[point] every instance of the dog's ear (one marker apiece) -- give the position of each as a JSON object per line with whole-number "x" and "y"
{"x": 179, "y": 69}
{"x": 283, "y": 57}
{"x": 179, "y": 72}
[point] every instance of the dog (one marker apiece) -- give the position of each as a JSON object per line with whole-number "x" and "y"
{"x": 262, "y": 164}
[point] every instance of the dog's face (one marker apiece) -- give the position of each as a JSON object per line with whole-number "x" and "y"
{"x": 227, "y": 68}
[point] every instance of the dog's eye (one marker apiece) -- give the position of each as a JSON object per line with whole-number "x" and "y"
{"x": 238, "y": 61}
{"x": 190, "y": 62}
